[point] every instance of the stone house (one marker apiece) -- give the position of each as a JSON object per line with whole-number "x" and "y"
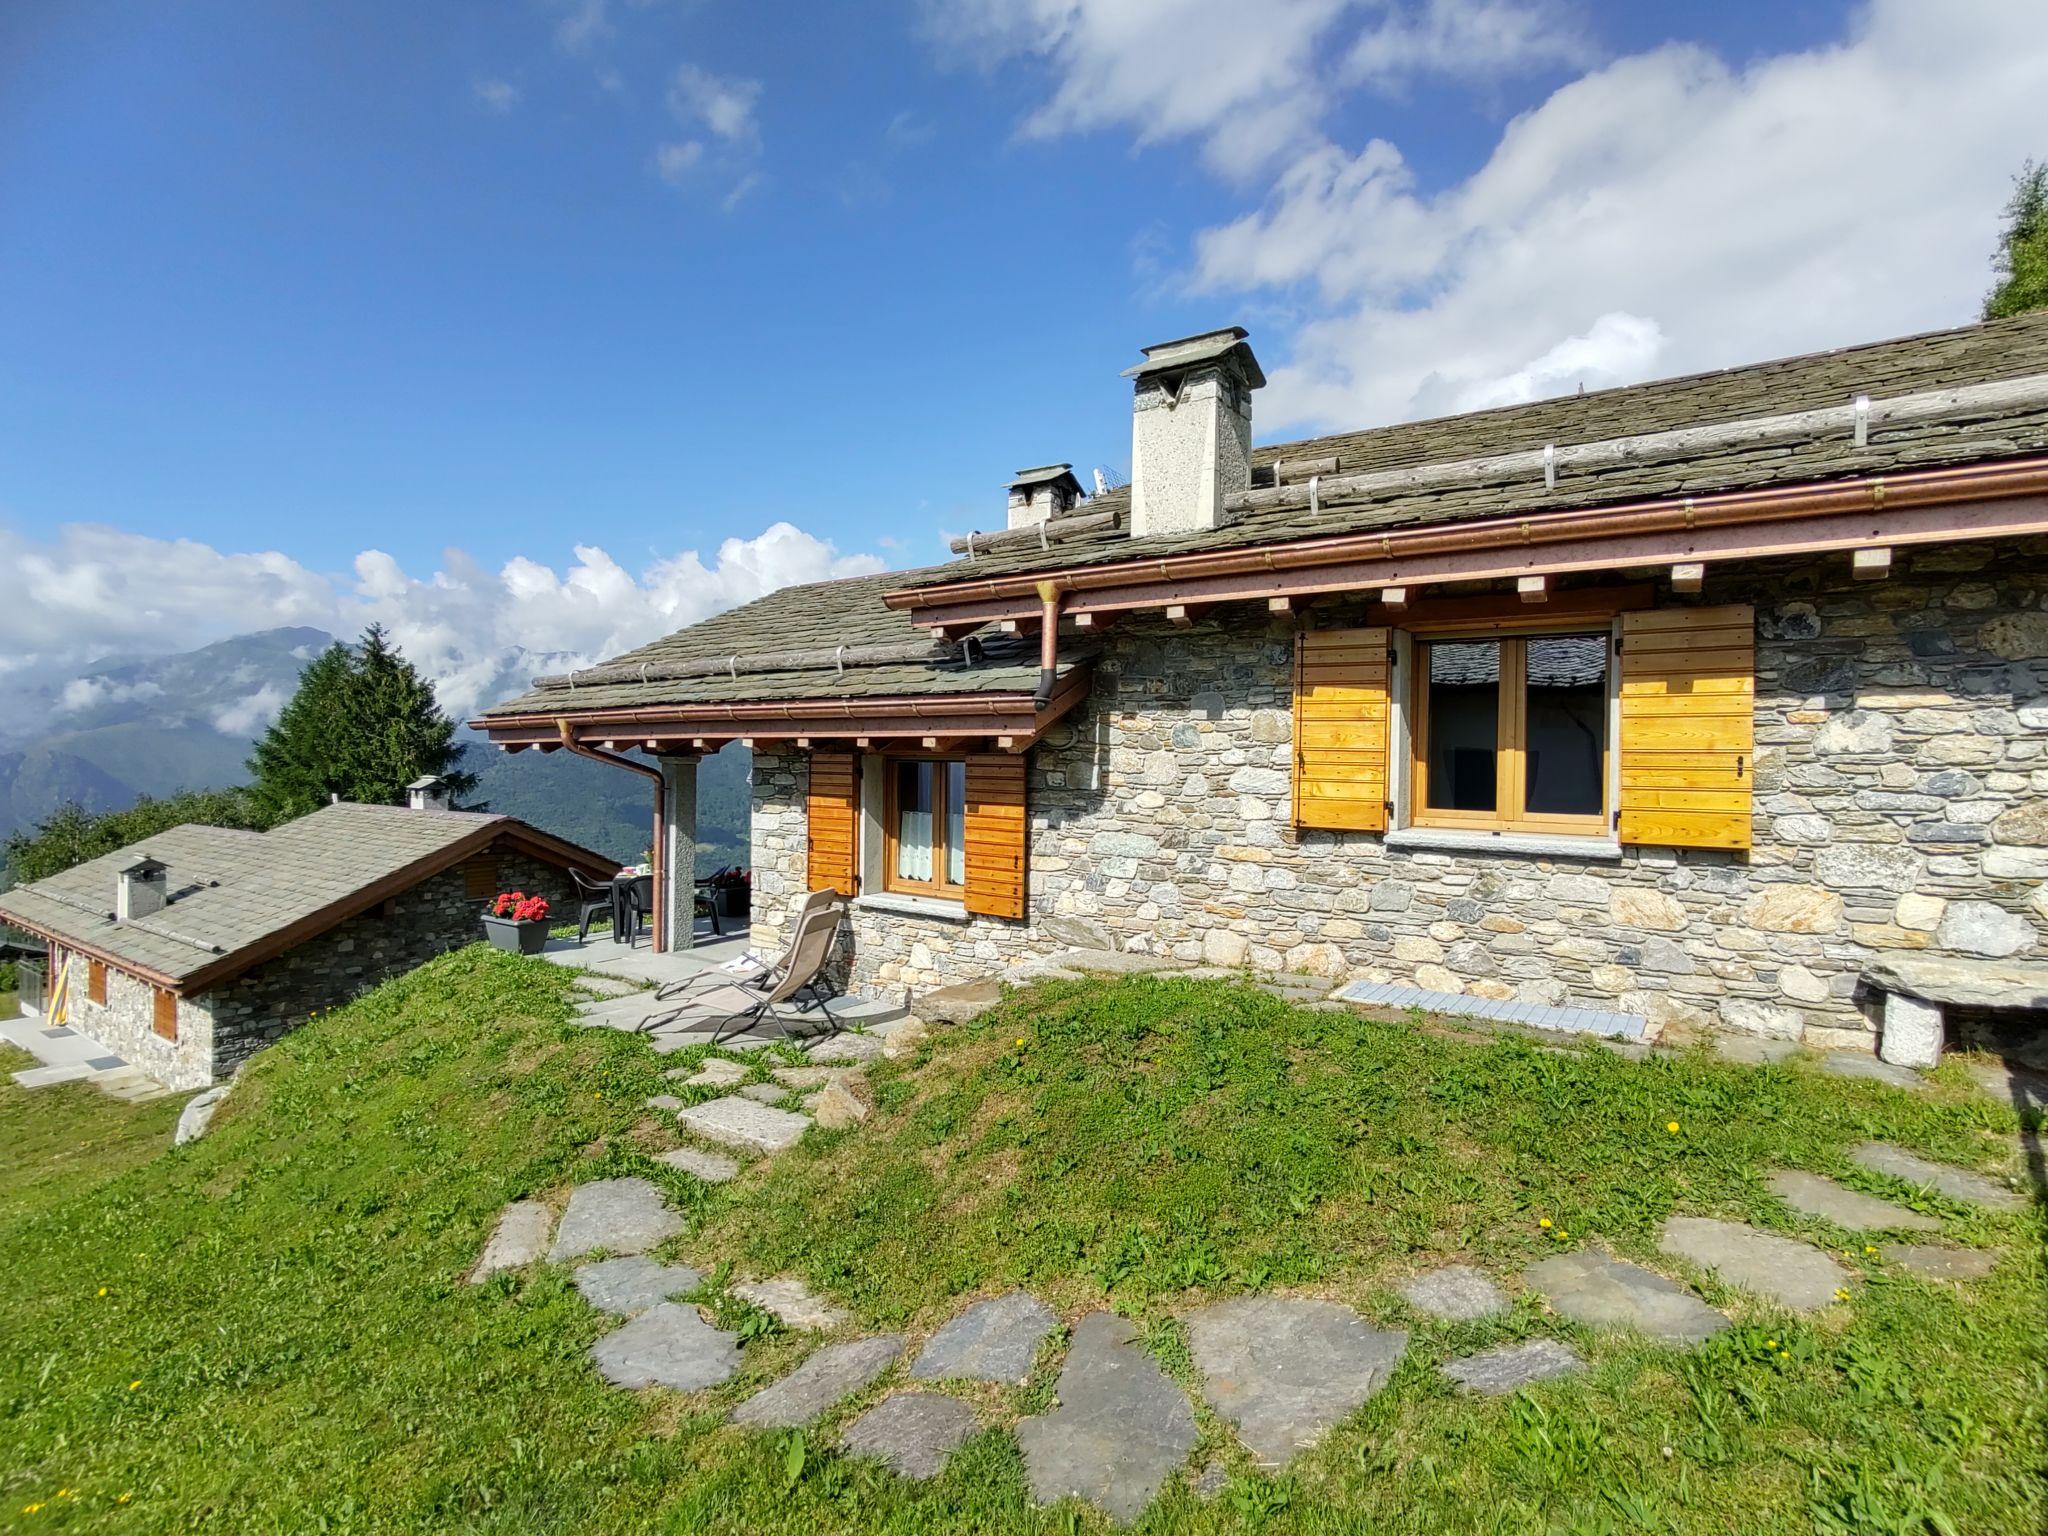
{"x": 1685, "y": 701}
{"x": 193, "y": 949}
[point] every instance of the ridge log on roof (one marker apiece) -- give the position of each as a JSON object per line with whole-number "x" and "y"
{"x": 1051, "y": 531}
{"x": 758, "y": 661}
{"x": 1853, "y": 420}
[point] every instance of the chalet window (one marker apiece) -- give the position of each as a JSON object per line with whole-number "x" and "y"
{"x": 164, "y": 1013}
{"x": 96, "y": 981}
{"x": 1510, "y": 733}
{"x": 924, "y": 824}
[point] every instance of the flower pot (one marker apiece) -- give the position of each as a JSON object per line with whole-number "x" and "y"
{"x": 519, "y": 938}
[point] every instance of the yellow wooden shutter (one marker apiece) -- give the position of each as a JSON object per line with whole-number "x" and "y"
{"x": 834, "y": 822}
{"x": 1688, "y": 719}
{"x": 1341, "y": 678}
{"x": 997, "y": 829}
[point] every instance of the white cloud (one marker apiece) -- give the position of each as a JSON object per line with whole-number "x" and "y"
{"x": 674, "y": 162}
{"x": 83, "y": 693}
{"x": 477, "y": 633}
{"x": 584, "y": 25}
{"x": 249, "y": 716}
{"x": 721, "y": 104}
{"x": 1466, "y": 40}
{"x": 496, "y": 95}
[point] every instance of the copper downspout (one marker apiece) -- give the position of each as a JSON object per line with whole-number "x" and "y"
{"x": 1674, "y": 515}
{"x": 1048, "y": 644}
{"x": 654, "y": 856}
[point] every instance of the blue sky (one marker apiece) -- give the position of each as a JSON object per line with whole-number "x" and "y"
{"x": 649, "y": 275}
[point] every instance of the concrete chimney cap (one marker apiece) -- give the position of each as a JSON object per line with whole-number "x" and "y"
{"x": 428, "y": 781}
{"x": 1207, "y": 347}
{"x": 1046, "y": 474}
{"x": 142, "y": 866}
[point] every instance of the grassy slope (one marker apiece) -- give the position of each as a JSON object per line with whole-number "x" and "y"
{"x": 287, "y": 1291}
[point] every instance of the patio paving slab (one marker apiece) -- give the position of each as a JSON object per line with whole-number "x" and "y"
{"x": 621, "y": 1216}
{"x": 1511, "y": 1367}
{"x": 1457, "y": 1292}
{"x": 809, "y": 1391}
{"x": 1121, "y": 1429}
{"x": 740, "y": 1122}
{"x": 912, "y": 1433}
{"x": 1283, "y": 1370}
{"x": 668, "y": 1345}
{"x": 1956, "y": 1183}
{"x": 1783, "y": 1269}
{"x": 1600, "y": 1291}
{"x": 1812, "y": 1195}
{"x": 994, "y": 1340}
{"x": 629, "y": 1286}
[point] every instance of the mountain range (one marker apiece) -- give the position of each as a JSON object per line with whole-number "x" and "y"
{"x": 133, "y": 726}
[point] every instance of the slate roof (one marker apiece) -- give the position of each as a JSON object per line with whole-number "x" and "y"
{"x": 1998, "y": 349}
{"x": 232, "y": 891}
{"x": 844, "y": 612}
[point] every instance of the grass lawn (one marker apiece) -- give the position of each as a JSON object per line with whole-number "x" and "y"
{"x": 267, "y": 1331}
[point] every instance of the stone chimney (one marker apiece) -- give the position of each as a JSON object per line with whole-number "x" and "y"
{"x": 1050, "y": 490}
{"x": 427, "y": 794}
{"x": 141, "y": 886}
{"x": 1191, "y": 430}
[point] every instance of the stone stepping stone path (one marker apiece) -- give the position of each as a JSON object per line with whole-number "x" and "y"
{"x": 1121, "y": 1429}
{"x": 715, "y": 1072}
{"x": 914, "y": 1434}
{"x": 806, "y": 1393}
{"x": 994, "y": 1340}
{"x": 1211, "y": 1480}
{"x": 792, "y": 1304}
{"x": 807, "y": 1078}
{"x": 1956, "y": 1183}
{"x": 665, "y": 1102}
{"x": 621, "y": 1216}
{"x": 629, "y": 1286}
{"x": 765, "y": 1093}
{"x": 711, "y": 1167}
{"x": 668, "y": 1345}
{"x": 1457, "y": 1293}
{"x": 1933, "y": 1262}
{"x": 848, "y": 1046}
{"x": 1812, "y": 1195}
{"x": 1787, "y": 1271}
{"x": 1282, "y": 1371}
{"x": 519, "y": 1239}
{"x": 1601, "y": 1291}
{"x": 1875, "y": 1069}
{"x": 740, "y": 1122}
{"x": 1511, "y": 1367}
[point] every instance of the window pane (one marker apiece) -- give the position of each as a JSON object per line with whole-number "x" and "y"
{"x": 1567, "y": 724}
{"x": 913, "y": 821}
{"x": 956, "y": 823}
{"x": 1464, "y": 724}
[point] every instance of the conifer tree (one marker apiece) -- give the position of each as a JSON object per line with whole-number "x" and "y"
{"x": 2022, "y": 259}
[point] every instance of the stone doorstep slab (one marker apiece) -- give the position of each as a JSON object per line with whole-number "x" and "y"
{"x": 1282, "y": 1370}
{"x": 1956, "y": 982}
{"x": 621, "y": 1216}
{"x": 807, "y": 1393}
{"x": 914, "y": 1434}
{"x": 1812, "y": 1195}
{"x": 1781, "y": 1269}
{"x": 740, "y": 1122}
{"x": 1955, "y": 1183}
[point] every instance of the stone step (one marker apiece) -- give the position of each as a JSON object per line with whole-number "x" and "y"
{"x": 740, "y": 1122}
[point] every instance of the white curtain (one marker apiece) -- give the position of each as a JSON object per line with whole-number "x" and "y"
{"x": 914, "y": 821}
{"x": 956, "y": 823}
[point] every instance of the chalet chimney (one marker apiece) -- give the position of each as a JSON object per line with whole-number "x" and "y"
{"x": 1050, "y": 490}
{"x": 1191, "y": 430}
{"x": 427, "y": 794}
{"x": 141, "y": 886}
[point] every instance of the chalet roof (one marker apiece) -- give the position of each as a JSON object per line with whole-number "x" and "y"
{"x": 1975, "y": 354}
{"x": 234, "y": 894}
{"x": 848, "y": 612}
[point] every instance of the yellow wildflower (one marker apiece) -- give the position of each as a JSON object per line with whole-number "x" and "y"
{"x": 63, "y": 1493}
{"x": 134, "y": 1386}
{"x": 29, "y": 1509}
{"x": 124, "y": 1498}
{"x": 1020, "y": 1039}
{"x": 1562, "y": 1232}
{"x": 1870, "y": 1248}
{"x": 103, "y": 1290}
{"x": 1671, "y": 1126}
{"x": 1544, "y": 1223}
{"x": 1840, "y": 1294}
{"x": 1770, "y": 1343}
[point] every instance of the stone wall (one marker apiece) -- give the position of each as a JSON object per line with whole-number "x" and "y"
{"x": 220, "y": 1029}
{"x": 1901, "y": 802}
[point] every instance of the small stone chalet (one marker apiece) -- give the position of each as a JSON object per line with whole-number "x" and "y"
{"x": 1687, "y": 701}
{"x": 193, "y": 949}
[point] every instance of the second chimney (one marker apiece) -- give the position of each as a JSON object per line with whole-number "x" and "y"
{"x": 1191, "y": 430}
{"x": 427, "y": 794}
{"x": 141, "y": 886}
{"x": 1049, "y": 490}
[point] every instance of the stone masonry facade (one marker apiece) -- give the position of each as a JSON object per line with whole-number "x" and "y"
{"x": 1901, "y": 802}
{"x": 220, "y": 1029}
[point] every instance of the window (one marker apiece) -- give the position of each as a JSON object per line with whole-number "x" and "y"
{"x": 925, "y": 827}
{"x": 1510, "y": 733}
{"x": 164, "y": 1019}
{"x": 96, "y": 982}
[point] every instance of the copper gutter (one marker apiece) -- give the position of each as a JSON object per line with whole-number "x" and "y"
{"x": 654, "y": 855}
{"x": 1662, "y": 518}
{"x": 916, "y": 706}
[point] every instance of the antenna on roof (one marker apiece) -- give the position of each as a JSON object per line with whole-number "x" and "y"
{"x": 1101, "y": 481}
